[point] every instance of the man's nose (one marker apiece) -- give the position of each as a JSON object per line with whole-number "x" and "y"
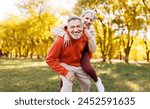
{"x": 75, "y": 29}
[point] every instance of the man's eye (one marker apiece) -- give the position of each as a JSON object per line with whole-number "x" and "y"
{"x": 71, "y": 27}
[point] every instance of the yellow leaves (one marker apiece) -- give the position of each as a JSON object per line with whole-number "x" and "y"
{"x": 26, "y": 34}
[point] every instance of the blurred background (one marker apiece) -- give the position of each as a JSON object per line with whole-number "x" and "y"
{"x": 123, "y": 39}
{"x": 122, "y": 27}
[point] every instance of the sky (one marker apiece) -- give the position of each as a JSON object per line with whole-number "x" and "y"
{"x": 9, "y": 6}
{"x": 66, "y": 4}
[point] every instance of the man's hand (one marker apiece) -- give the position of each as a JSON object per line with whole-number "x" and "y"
{"x": 67, "y": 40}
{"x": 70, "y": 76}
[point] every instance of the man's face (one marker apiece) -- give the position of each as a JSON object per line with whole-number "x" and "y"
{"x": 75, "y": 28}
{"x": 87, "y": 20}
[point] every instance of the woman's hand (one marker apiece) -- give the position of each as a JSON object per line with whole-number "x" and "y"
{"x": 67, "y": 40}
{"x": 87, "y": 33}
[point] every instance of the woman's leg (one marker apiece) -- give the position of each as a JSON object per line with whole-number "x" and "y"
{"x": 86, "y": 65}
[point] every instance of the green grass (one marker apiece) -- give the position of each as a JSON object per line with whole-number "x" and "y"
{"x": 33, "y": 75}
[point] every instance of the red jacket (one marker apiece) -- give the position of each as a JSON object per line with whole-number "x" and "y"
{"x": 70, "y": 55}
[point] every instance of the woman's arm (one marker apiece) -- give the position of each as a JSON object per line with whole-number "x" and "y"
{"x": 91, "y": 35}
{"x": 59, "y": 32}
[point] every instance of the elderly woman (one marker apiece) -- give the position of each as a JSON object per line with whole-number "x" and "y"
{"x": 88, "y": 17}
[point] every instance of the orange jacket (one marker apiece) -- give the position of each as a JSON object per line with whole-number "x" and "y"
{"x": 70, "y": 55}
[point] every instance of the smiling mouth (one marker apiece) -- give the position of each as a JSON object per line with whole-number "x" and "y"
{"x": 86, "y": 25}
{"x": 76, "y": 34}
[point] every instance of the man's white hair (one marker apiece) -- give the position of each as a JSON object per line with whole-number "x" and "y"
{"x": 89, "y": 11}
{"x": 73, "y": 18}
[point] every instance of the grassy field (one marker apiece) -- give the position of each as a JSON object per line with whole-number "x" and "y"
{"x": 33, "y": 75}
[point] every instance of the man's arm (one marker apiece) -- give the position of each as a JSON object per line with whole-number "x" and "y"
{"x": 90, "y": 33}
{"x": 53, "y": 55}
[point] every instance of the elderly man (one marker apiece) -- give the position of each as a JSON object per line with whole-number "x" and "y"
{"x": 66, "y": 60}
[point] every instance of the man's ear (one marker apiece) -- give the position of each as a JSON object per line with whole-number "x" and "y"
{"x": 65, "y": 27}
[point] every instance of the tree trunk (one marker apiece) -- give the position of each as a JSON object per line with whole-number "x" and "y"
{"x": 104, "y": 57}
{"x": 26, "y": 53}
{"x": 1, "y": 54}
{"x": 126, "y": 59}
{"x": 19, "y": 49}
{"x": 38, "y": 56}
{"x": 120, "y": 56}
{"x": 11, "y": 55}
{"x": 7, "y": 54}
{"x": 31, "y": 55}
{"x": 147, "y": 54}
{"x": 16, "y": 55}
{"x": 20, "y": 55}
{"x": 127, "y": 51}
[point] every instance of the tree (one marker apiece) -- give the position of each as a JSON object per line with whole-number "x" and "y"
{"x": 28, "y": 35}
{"x": 146, "y": 16}
{"x": 129, "y": 24}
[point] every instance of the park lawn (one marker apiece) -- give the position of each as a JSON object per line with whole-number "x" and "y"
{"x": 33, "y": 75}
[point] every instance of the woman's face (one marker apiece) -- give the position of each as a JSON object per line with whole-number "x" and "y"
{"x": 87, "y": 20}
